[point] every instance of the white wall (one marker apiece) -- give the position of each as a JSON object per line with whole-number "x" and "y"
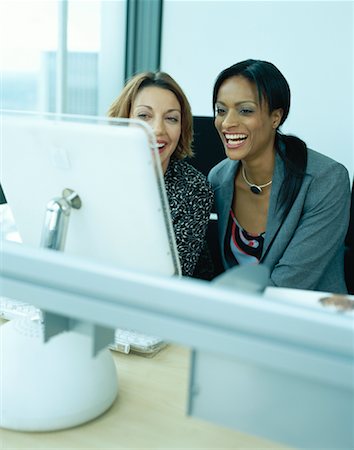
{"x": 312, "y": 43}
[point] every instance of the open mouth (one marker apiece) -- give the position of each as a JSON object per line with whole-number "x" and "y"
{"x": 235, "y": 140}
{"x": 161, "y": 146}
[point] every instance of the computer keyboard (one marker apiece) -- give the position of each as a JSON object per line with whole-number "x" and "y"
{"x": 16, "y": 309}
{"x": 125, "y": 341}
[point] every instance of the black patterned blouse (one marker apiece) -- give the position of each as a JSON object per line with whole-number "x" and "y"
{"x": 190, "y": 198}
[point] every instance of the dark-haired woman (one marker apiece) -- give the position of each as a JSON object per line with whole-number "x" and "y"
{"x": 278, "y": 202}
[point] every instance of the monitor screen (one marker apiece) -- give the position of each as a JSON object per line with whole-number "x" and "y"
{"x": 114, "y": 167}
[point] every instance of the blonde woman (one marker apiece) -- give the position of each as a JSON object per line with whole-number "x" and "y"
{"x": 156, "y": 98}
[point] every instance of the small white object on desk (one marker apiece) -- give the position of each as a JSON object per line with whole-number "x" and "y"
{"x": 314, "y": 300}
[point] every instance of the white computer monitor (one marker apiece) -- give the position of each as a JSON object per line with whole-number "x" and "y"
{"x": 113, "y": 165}
{"x": 124, "y": 222}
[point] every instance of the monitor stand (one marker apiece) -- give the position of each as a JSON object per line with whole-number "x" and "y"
{"x": 53, "y": 380}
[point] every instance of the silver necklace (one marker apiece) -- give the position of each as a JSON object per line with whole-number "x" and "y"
{"x": 255, "y": 188}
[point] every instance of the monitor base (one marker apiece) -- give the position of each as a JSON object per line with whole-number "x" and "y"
{"x": 54, "y": 385}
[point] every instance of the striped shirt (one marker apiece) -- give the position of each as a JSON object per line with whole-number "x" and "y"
{"x": 242, "y": 247}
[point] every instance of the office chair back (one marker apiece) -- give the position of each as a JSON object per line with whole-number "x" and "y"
{"x": 207, "y": 145}
{"x": 2, "y": 196}
{"x": 208, "y": 151}
{"x": 349, "y": 250}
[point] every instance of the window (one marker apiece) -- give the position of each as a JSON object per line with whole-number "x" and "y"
{"x": 27, "y": 30}
{"x": 30, "y": 45}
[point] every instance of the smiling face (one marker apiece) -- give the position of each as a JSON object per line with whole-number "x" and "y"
{"x": 161, "y": 110}
{"x": 246, "y": 127}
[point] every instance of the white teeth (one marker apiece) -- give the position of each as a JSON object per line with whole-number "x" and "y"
{"x": 235, "y": 136}
{"x": 161, "y": 145}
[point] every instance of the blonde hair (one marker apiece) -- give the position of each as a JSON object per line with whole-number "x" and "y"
{"x": 121, "y": 107}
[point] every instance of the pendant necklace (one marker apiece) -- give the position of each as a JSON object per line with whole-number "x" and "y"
{"x": 255, "y": 188}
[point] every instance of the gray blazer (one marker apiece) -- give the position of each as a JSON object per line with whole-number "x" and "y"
{"x": 306, "y": 250}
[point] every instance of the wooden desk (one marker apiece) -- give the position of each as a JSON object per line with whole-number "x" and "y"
{"x": 149, "y": 413}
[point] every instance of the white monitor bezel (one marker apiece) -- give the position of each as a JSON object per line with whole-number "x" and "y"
{"x": 32, "y": 183}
